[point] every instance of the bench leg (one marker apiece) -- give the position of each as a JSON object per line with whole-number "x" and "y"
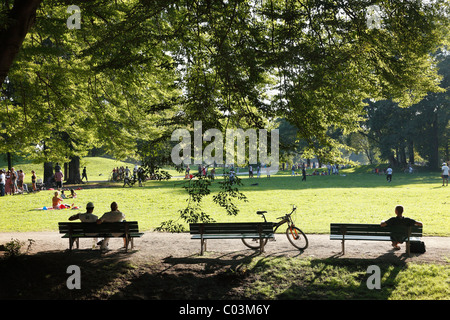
{"x": 127, "y": 241}
{"x": 408, "y": 242}
{"x": 202, "y": 246}
{"x": 343, "y": 246}
{"x": 72, "y": 241}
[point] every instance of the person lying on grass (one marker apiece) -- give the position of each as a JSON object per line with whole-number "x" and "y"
{"x": 399, "y": 236}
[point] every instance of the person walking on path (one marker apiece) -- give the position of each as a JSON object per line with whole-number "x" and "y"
{"x": 445, "y": 170}
{"x": 84, "y": 175}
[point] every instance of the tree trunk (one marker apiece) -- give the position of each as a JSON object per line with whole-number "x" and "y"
{"x": 66, "y": 171}
{"x": 48, "y": 174}
{"x": 402, "y": 156}
{"x": 22, "y": 16}
{"x": 8, "y": 156}
{"x": 411, "y": 151}
{"x": 433, "y": 160}
{"x": 74, "y": 171}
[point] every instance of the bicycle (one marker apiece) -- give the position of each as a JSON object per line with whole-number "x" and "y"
{"x": 295, "y": 236}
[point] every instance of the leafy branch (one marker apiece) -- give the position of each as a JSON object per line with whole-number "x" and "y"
{"x": 197, "y": 190}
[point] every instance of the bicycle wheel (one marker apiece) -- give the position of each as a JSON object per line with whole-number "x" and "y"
{"x": 253, "y": 243}
{"x": 297, "y": 238}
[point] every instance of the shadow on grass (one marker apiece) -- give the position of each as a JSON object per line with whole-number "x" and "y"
{"x": 44, "y": 275}
{"x": 237, "y": 275}
{"x": 348, "y": 279}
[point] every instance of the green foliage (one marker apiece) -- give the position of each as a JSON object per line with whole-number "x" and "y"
{"x": 12, "y": 249}
{"x": 137, "y": 69}
{"x": 170, "y": 226}
{"x": 197, "y": 190}
{"x": 229, "y": 192}
{"x": 422, "y": 127}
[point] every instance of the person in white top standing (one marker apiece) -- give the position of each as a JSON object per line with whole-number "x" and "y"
{"x": 389, "y": 174}
{"x": 444, "y": 173}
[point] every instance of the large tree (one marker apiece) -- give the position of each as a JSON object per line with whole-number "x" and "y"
{"x": 240, "y": 63}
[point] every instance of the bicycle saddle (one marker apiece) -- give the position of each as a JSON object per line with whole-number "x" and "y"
{"x": 261, "y": 212}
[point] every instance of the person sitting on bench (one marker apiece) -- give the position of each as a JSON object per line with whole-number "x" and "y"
{"x": 398, "y": 237}
{"x": 113, "y": 216}
{"x": 86, "y": 217}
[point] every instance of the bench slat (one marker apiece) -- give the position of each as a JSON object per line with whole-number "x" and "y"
{"x": 230, "y": 228}
{"x": 231, "y": 236}
{"x": 366, "y": 238}
{"x": 84, "y": 227}
{"x": 102, "y": 235}
{"x": 371, "y": 229}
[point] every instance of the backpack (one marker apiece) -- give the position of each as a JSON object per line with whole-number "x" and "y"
{"x": 417, "y": 247}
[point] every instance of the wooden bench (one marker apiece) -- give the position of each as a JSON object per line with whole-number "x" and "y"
{"x": 232, "y": 230}
{"x": 76, "y": 230}
{"x": 372, "y": 232}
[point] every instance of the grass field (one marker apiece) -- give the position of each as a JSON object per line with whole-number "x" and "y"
{"x": 354, "y": 196}
{"x": 350, "y": 197}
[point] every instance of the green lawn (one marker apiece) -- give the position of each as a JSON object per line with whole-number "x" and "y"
{"x": 355, "y": 197}
{"x": 343, "y": 279}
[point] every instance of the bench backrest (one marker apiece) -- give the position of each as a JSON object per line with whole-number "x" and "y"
{"x": 371, "y": 229}
{"x": 106, "y": 227}
{"x": 231, "y": 228}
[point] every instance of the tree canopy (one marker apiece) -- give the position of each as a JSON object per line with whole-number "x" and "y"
{"x": 138, "y": 69}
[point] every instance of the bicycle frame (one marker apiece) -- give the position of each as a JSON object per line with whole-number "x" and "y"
{"x": 286, "y": 219}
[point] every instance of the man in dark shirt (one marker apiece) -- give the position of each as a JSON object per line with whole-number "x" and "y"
{"x": 398, "y": 225}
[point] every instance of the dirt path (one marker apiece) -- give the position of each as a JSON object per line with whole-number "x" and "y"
{"x": 156, "y": 245}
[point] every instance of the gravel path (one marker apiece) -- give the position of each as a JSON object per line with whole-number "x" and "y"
{"x": 157, "y": 245}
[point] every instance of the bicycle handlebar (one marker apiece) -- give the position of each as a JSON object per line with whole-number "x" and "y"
{"x": 288, "y": 214}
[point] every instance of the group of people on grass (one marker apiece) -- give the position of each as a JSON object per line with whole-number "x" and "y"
{"x": 445, "y": 173}
{"x": 128, "y": 177}
{"x": 112, "y": 216}
{"x": 12, "y": 182}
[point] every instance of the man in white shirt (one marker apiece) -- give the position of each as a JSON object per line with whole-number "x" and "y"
{"x": 113, "y": 216}
{"x": 389, "y": 174}
{"x": 445, "y": 170}
{"x": 88, "y": 217}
